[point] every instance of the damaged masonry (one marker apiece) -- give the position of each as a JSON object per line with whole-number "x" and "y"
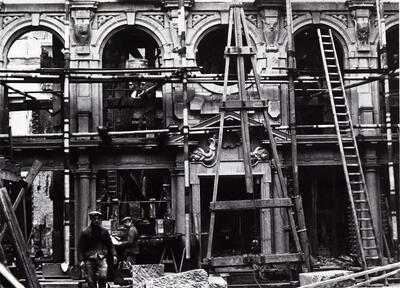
{"x": 252, "y": 144}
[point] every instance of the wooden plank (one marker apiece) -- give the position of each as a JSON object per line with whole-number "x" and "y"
{"x": 251, "y": 204}
{"x": 240, "y": 50}
{"x": 31, "y": 105}
{"x": 242, "y": 260}
{"x": 219, "y": 143}
{"x": 234, "y": 105}
{"x": 18, "y": 241}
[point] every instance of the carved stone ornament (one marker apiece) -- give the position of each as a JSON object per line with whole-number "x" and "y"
{"x": 159, "y": 18}
{"x": 342, "y": 18}
{"x": 271, "y": 32}
{"x": 82, "y": 31}
{"x": 102, "y": 19}
{"x": 206, "y": 157}
{"x": 9, "y": 19}
{"x": 252, "y": 18}
{"x": 258, "y": 155}
{"x": 362, "y": 30}
{"x": 59, "y": 18}
{"x": 196, "y": 18}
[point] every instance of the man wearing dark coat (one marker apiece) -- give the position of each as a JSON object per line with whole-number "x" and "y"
{"x": 93, "y": 249}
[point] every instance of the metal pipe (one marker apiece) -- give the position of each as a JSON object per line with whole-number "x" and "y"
{"x": 66, "y": 140}
{"x": 185, "y": 130}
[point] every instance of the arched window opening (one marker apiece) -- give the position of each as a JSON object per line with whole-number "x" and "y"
{"x": 210, "y": 53}
{"x": 310, "y": 109}
{"x": 40, "y": 112}
{"x": 36, "y": 108}
{"x": 126, "y": 105}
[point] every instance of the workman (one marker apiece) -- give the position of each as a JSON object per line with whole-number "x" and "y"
{"x": 93, "y": 249}
{"x": 129, "y": 242}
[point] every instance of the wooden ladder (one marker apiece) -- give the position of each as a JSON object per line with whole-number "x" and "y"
{"x": 350, "y": 156}
{"x": 239, "y": 51}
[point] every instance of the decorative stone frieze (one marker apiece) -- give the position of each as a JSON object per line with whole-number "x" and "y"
{"x": 103, "y": 19}
{"x": 9, "y": 19}
{"x": 196, "y": 18}
{"x": 59, "y": 17}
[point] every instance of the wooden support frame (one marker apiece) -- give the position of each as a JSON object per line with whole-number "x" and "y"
{"x": 242, "y": 260}
{"x": 33, "y": 172}
{"x": 18, "y": 241}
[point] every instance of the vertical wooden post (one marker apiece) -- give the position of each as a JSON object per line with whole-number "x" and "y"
{"x": 293, "y": 137}
{"x": 388, "y": 117}
{"x": 4, "y": 113}
{"x": 265, "y": 219}
{"x": 18, "y": 241}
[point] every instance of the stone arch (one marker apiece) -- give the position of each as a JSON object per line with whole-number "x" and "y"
{"x": 20, "y": 27}
{"x": 211, "y": 23}
{"x": 114, "y": 26}
{"x": 338, "y": 29}
{"x": 390, "y": 22}
{"x": 206, "y": 26}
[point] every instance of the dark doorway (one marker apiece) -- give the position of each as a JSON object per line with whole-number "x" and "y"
{"x": 234, "y": 231}
{"x": 325, "y": 201}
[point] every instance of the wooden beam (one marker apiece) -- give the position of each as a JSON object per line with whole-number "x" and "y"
{"x": 33, "y": 172}
{"x": 242, "y": 260}
{"x": 251, "y": 204}
{"x": 31, "y": 105}
{"x": 18, "y": 242}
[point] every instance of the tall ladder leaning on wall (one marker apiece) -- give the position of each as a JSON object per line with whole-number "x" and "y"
{"x": 237, "y": 20}
{"x": 355, "y": 181}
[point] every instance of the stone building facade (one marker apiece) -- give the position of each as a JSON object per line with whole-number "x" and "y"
{"x": 138, "y": 33}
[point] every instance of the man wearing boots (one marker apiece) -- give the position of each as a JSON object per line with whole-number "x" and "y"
{"x": 93, "y": 249}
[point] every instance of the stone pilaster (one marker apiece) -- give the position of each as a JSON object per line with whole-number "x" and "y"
{"x": 81, "y": 197}
{"x": 361, "y": 12}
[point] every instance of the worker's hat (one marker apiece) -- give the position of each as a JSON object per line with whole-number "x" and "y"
{"x": 126, "y": 219}
{"x": 94, "y": 213}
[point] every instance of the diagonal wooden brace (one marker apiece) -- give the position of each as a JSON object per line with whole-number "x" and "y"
{"x": 28, "y": 180}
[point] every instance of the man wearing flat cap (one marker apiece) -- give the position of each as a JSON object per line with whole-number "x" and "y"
{"x": 129, "y": 241}
{"x": 93, "y": 249}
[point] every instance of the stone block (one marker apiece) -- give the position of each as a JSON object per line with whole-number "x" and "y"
{"x": 190, "y": 279}
{"x": 315, "y": 277}
{"x": 217, "y": 282}
{"x": 142, "y": 273}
